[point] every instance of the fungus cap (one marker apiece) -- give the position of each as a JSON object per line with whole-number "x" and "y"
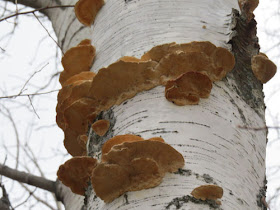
{"x": 86, "y": 10}
{"x": 168, "y": 159}
{"x": 72, "y": 143}
{"x": 75, "y": 173}
{"x": 109, "y": 181}
{"x": 119, "y": 140}
{"x": 77, "y": 59}
{"x": 85, "y": 75}
{"x": 263, "y": 68}
{"x": 188, "y": 88}
{"x": 120, "y": 81}
{"x": 76, "y": 115}
{"x": 204, "y": 192}
{"x": 100, "y": 127}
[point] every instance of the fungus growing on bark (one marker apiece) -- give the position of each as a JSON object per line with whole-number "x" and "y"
{"x": 211, "y": 192}
{"x": 130, "y": 59}
{"x": 75, "y": 173}
{"x": 77, "y": 115}
{"x": 263, "y": 68}
{"x": 168, "y": 159}
{"x": 134, "y": 165}
{"x": 67, "y": 96}
{"x": 85, "y": 42}
{"x": 124, "y": 138}
{"x": 100, "y": 127}
{"x": 85, "y": 75}
{"x": 86, "y": 10}
{"x": 119, "y": 140}
{"x": 72, "y": 143}
{"x": 109, "y": 181}
{"x": 216, "y": 65}
{"x": 188, "y": 88}
{"x": 109, "y": 88}
{"x": 76, "y": 60}
{"x": 158, "y": 66}
{"x": 82, "y": 140}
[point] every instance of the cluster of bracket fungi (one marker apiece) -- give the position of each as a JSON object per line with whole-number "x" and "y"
{"x": 129, "y": 162}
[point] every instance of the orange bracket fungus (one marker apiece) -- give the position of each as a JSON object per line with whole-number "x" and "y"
{"x": 73, "y": 144}
{"x": 133, "y": 165}
{"x": 211, "y": 192}
{"x": 263, "y": 68}
{"x": 75, "y": 173}
{"x": 119, "y": 140}
{"x": 86, "y": 10}
{"x": 100, "y": 127}
{"x": 188, "y": 88}
{"x": 76, "y": 60}
{"x": 84, "y": 95}
{"x": 156, "y": 67}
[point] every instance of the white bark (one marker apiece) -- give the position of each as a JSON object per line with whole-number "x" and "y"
{"x": 69, "y": 199}
{"x": 214, "y": 148}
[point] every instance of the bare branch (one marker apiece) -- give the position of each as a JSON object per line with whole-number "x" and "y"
{"x": 36, "y": 197}
{"x": 29, "y": 94}
{"x": 10, "y": 117}
{"x": 47, "y": 31}
{"x": 27, "y": 178}
{"x": 35, "y": 10}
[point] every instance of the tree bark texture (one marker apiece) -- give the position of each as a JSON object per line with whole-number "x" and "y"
{"x": 215, "y": 149}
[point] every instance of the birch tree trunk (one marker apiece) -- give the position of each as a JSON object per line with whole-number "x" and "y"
{"x": 215, "y": 149}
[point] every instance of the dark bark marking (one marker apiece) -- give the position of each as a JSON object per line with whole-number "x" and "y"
{"x": 66, "y": 32}
{"x": 180, "y": 201}
{"x": 244, "y": 45}
{"x": 76, "y": 32}
{"x": 194, "y": 123}
{"x": 96, "y": 141}
{"x": 261, "y": 197}
{"x": 183, "y": 172}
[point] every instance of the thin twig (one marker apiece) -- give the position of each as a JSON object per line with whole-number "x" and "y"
{"x": 22, "y": 89}
{"x": 23, "y": 202}
{"x": 35, "y": 10}
{"x": 28, "y": 94}
{"x": 36, "y": 197}
{"x": 10, "y": 117}
{"x": 47, "y": 31}
{"x": 33, "y": 107}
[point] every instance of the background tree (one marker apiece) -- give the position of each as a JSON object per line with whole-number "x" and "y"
{"x": 85, "y": 33}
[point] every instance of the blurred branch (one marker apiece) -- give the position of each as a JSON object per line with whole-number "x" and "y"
{"x": 35, "y": 10}
{"x": 29, "y": 94}
{"x": 27, "y": 178}
{"x": 47, "y": 31}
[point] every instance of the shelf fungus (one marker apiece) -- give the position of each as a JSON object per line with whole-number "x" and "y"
{"x": 188, "y": 88}
{"x": 134, "y": 165}
{"x": 100, "y": 127}
{"x": 75, "y": 173}
{"x": 76, "y": 60}
{"x": 210, "y": 192}
{"x": 86, "y": 10}
{"x": 124, "y": 138}
{"x": 67, "y": 96}
{"x": 84, "y": 95}
{"x": 263, "y": 68}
